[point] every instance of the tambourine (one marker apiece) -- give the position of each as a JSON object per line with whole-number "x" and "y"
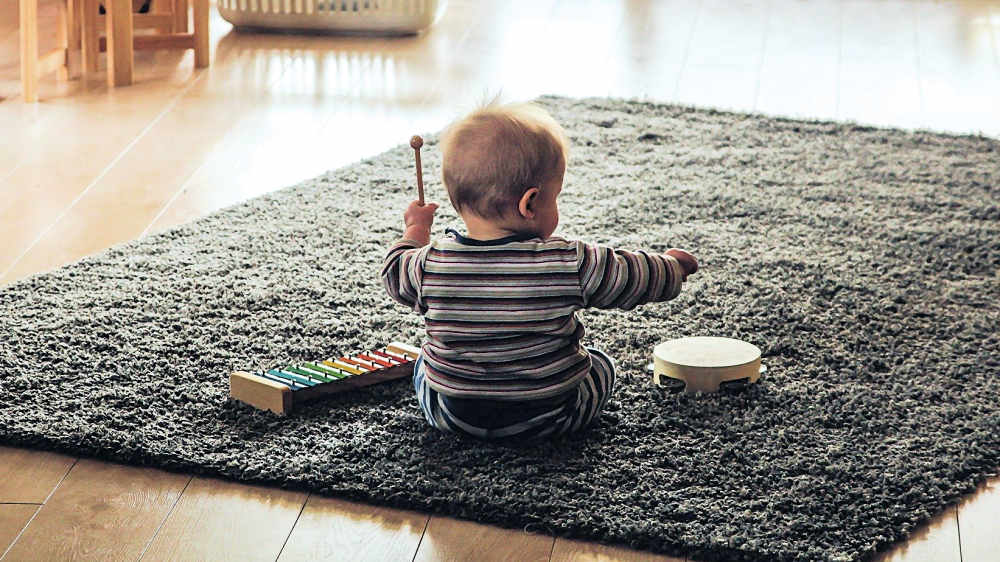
{"x": 705, "y": 362}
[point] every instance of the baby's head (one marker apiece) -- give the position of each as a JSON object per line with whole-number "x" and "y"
{"x": 503, "y": 166}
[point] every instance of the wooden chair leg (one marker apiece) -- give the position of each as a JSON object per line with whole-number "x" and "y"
{"x": 163, "y": 8}
{"x": 201, "y": 46}
{"x": 72, "y": 24}
{"x": 29, "y": 49}
{"x": 120, "y": 38}
{"x": 62, "y": 39}
{"x": 90, "y": 45}
{"x": 180, "y": 11}
{"x": 76, "y": 28}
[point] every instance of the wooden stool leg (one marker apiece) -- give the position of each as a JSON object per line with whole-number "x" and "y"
{"x": 76, "y": 26}
{"x": 201, "y": 47}
{"x": 62, "y": 39}
{"x": 156, "y": 8}
{"x": 180, "y": 16}
{"x": 90, "y": 45}
{"x": 120, "y": 38}
{"x": 29, "y": 49}
{"x": 73, "y": 13}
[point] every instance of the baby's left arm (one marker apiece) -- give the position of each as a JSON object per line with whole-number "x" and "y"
{"x": 611, "y": 278}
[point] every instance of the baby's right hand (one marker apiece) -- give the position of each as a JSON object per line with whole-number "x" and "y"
{"x": 419, "y": 215}
{"x": 687, "y": 261}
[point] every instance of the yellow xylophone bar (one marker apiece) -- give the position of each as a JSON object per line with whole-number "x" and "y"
{"x": 279, "y": 389}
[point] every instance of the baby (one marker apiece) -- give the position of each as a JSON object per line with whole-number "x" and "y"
{"x": 503, "y": 359}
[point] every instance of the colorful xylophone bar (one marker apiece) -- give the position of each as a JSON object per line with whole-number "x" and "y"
{"x": 279, "y": 389}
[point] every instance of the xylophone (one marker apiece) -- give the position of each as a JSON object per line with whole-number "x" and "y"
{"x": 279, "y": 389}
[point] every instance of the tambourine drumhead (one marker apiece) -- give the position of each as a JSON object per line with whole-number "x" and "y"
{"x": 703, "y": 362}
{"x": 707, "y": 351}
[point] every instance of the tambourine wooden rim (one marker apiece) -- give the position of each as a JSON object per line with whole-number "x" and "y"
{"x": 704, "y": 362}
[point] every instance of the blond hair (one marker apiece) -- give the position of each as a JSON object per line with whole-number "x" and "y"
{"x": 493, "y": 155}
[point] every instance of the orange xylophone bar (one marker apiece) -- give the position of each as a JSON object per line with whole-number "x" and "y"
{"x": 279, "y": 389}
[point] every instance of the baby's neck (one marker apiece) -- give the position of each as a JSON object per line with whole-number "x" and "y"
{"x": 479, "y": 228}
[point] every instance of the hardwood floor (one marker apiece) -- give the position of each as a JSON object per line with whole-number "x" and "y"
{"x": 87, "y": 168}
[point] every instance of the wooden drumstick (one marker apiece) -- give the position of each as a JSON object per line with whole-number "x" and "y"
{"x": 416, "y": 142}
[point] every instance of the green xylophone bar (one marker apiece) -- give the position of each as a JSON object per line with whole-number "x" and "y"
{"x": 280, "y": 388}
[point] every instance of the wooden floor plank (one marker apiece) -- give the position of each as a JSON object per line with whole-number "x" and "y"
{"x": 872, "y": 89}
{"x": 100, "y": 511}
{"x": 35, "y": 193}
{"x": 13, "y": 518}
{"x": 28, "y": 476}
{"x": 291, "y": 129}
{"x": 979, "y": 524}
{"x": 937, "y": 540}
{"x": 222, "y": 520}
{"x": 16, "y": 118}
{"x": 147, "y": 175}
{"x": 17, "y": 121}
{"x": 957, "y": 63}
{"x": 333, "y": 529}
{"x": 567, "y": 550}
{"x": 447, "y": 539}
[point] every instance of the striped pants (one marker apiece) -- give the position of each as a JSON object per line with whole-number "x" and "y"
{"x": 504, "y": 420}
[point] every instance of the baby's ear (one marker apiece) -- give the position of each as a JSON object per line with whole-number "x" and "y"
{"x": 526, "y": 206}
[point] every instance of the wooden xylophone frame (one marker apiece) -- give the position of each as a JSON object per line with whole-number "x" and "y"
{"x": 279, "y": 389}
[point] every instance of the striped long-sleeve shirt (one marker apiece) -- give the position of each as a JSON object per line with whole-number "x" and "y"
{"x": 500, "y": 314}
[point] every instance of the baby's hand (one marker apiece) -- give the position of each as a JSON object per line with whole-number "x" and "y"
{"x": 687, "y": 261}
{"x": 417, "y": 215}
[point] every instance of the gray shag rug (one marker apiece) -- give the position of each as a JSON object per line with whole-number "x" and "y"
{"x": 863, "y": 261}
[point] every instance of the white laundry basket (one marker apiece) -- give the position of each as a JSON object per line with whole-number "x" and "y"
{"x": 351, "y": 16}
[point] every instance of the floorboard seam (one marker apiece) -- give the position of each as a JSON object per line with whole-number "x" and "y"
{"x": 165, "y": 518}
{"x": 427, "y": 523}
{"x": 958, "y": 529}
{"x": 59, "y": 483}
{"x": 294, "y": 523}
{"x": 553, "y": 549}
{"x": 12, "y": 171}
{"x": 18, "y": 537}
{"x": 687, "y": 50}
